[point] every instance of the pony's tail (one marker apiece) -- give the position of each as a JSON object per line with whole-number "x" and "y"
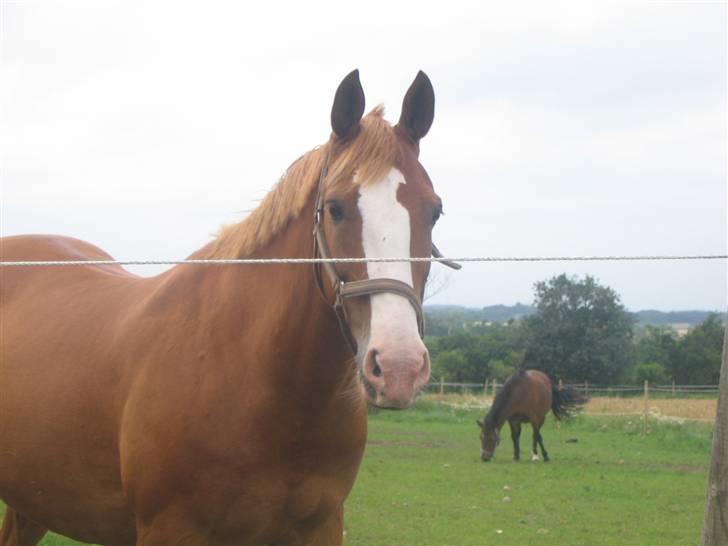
{"x": 566, "y": 402}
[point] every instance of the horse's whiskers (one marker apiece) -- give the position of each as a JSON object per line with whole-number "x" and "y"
{"x": 351, "y": 389}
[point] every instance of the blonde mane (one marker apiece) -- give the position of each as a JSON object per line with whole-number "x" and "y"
{"x": 371, "y": 154}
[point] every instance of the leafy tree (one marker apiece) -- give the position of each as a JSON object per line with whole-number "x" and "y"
{"x": 653, "y": 372}
{"x": 658, "y": 345}
{"x": 580, "y": 331}
{"x": 452, "y": 365}
{"x": 471, "y": 358}
{"x": 698, "y": 354}
{"x": 457, "y": 358}
{"x": 500, "y": 370}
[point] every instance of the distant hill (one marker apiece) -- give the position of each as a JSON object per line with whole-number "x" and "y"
{"x": 650, "y": 316}
{"x": 445, "y": 320}
{"x": 504, "y": 313}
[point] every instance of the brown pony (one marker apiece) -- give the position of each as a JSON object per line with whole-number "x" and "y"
{"x": 526, "y": 397}
{"x": 221, "y": 405}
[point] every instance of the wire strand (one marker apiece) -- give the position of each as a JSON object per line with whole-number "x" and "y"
{"x": 270, "y": 261}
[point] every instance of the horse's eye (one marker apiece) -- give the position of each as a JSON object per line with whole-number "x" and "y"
{"x": 436, "y": 214}
{"x": 336, "y": 211}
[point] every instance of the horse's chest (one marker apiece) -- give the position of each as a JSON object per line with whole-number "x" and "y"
{"x": 274, "y": 510}
{"x": 285, "y": 495}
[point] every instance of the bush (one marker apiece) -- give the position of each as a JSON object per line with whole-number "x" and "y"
{"x": 653, "y": 372}
{"x": 500, "y": 371}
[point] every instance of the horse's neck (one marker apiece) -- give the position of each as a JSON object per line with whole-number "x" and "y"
{"x": 495, "y": 420}
{"x": 276, "y": 313}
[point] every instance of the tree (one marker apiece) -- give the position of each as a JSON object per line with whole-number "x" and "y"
{"x": 657, "y": 344}
{"x": 654, "y": 372}
{"x": 451, "y": 365}
{"x": 698, "y": 354}
{"x": 580, "y": 331}
{"x": 470, "y": 358}
{"x": 457, "y": 358}
{"x": 500, "y": 370}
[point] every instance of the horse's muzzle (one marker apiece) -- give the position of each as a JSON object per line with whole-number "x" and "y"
{"x": 393, "y": 378}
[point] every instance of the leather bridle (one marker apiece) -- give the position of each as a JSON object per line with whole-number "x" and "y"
{"x": 354, "y": 289}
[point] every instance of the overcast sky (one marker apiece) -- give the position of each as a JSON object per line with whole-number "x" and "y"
{"x": 561, "y": 128}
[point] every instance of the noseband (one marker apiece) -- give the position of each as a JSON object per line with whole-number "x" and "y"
{"x": 354, "y": 289}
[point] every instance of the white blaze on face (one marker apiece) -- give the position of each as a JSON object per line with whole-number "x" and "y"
{"x": 386, "y": 234}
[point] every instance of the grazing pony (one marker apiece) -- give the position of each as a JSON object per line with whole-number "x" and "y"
{"x": 226, "y": 404}
{"x": 526, "y": 397}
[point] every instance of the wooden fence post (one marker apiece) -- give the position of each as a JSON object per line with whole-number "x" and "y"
{"x": 561, "y": 388}
{"x": 442, "y": 385}
{"x": 647, "y": 407}
{"x": 495, "y": 386}
{"x": 586, "y": 388}
{"x": 715, "y": 531}
{"x": 485, "y": 389}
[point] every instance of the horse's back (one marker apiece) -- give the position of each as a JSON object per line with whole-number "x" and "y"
{"x": 542, "y": 390}
{"x": 539, "y": 378}
{"x": 35, "y": 281}
{"x": 532, "y": 395}
{"x": 62, "y": 383}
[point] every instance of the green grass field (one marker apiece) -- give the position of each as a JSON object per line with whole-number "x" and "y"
{"x": 422, "y": 483}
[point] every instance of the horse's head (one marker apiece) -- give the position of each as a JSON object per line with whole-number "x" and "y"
{"x": 377, "y": 201}
{"x": 489, "y": 440}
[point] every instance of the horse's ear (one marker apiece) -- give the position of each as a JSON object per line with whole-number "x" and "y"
{"x": 348, "y": 106}
{"x": 418, "y": 108}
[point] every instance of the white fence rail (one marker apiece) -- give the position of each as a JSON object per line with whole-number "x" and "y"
{"x": 492, "y": 386}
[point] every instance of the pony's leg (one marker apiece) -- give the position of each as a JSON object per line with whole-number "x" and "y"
{"x": 19, "y": 531}
{"x": 534, "y": 449}
{"x": 515, "y": 436}
{"x": 537, "y": 435}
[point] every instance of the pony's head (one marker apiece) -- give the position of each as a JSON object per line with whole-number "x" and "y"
{"x": 377, "y": 201}
{"x": 489, "y": 440}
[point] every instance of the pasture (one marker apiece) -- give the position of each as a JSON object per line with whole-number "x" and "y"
{"x": 422, "y": 483}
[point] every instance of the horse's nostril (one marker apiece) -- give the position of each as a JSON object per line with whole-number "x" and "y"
{"x": 377, "y": 371}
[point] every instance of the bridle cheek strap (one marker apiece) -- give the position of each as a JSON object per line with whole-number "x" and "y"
{"x": 356, "y": 289}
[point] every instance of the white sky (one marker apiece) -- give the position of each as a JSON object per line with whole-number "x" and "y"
{"x": 561, "y": 128}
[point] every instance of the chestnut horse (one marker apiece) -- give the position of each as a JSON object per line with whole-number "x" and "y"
{"x": 525, "y": 397}
{"x": 222, "y": 404}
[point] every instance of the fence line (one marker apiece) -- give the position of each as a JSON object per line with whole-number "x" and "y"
{"x": 589, "y": 388}
{"x": 601, "y": 386}
{"x": 267, "y": 261}
{"x": 489, "y": 389}
{"x": 641, "y": 414}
